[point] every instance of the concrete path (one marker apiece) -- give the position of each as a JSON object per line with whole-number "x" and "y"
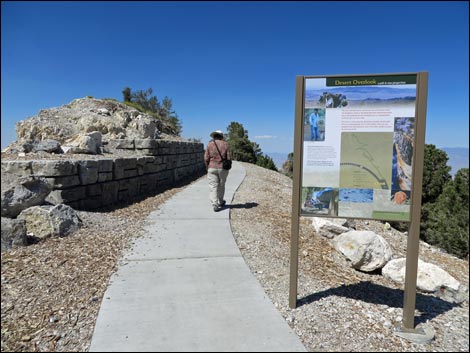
{"x": 184, "y": 287}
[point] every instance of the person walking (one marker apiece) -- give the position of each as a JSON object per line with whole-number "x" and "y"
{"x": 217, "y": 150}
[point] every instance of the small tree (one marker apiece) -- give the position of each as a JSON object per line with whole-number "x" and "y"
{"x": 236, "y": 130}
{"x": 447, "y": 223}
{"x": 145, "y": 102}
{"x": 168, "y": 114}
{"x": 241, "y": 148}
{"x": 244, "y": 150}
{"x": 126, "y": 93}
{"x": 435, "y": 176}
{"x": 266, "y": 162}
{"x": 436, "y": 173}
{"x": 257, "y": 150}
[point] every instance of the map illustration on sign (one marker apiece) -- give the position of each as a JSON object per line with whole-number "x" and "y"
{"x": 366, "y": 160}
{"x": 358, "y": 145}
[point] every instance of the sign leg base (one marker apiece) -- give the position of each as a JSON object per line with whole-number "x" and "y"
{"x": 421, "y": 335}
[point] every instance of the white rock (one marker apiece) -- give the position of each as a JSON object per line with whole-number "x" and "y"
{"x": 365, "y": 250}
{"x": 328, "y": 228}
{"x": 430, "y": 278}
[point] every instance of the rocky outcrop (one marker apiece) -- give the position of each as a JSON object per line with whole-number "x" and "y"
{"x": 114, "y": 120}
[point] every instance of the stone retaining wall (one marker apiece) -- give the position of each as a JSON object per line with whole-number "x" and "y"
{"x": 92, "y": 183}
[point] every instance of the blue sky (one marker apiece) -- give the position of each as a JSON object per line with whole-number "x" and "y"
{"x": 230, "y": 61}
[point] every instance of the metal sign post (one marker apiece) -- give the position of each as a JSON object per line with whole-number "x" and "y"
{"x": 412, "y": 249}
{"x": 294, "y": 249}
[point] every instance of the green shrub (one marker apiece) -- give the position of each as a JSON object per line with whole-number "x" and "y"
{"x": 266, "y": 162}
{"x": 445, "y": 222}
{"x": 145, "y": 103}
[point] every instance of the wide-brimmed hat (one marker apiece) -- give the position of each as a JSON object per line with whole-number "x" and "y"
{"x": 217, "y": 132}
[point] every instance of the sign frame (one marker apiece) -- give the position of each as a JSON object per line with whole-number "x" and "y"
{"x": 412, "y": 253}
{"x": 356, "y": 160}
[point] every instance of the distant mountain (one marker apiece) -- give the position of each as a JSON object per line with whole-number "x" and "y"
{"x": 458, "y": 158}
{"x": 388, "y": 99}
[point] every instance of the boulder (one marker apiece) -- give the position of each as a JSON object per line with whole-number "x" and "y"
{"x": 37, "y": 221}
{"x": 48, "y": 145}
{"x": 13, "y": 233}
{"x": 350, "y": 224}
{"x": 143, "y": 127}
{"x": 47, "y": 221}
{"x": 103, "y": 111}
{"x": 365, "y": 250}
{"x": 329, "y": 228}
{"x": 430, "y": 278}
{"x": 88, "y": 143}
{"x": 29, "y": 191}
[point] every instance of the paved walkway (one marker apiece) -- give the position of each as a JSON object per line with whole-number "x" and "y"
{"x": 186, "y": 287}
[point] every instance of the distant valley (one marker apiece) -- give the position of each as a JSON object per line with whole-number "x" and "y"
{"x": 278, "y": 158}
{"x": 458, "y": 158}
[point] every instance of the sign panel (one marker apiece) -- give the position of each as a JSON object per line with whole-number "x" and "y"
{"x": 358, "y": 142}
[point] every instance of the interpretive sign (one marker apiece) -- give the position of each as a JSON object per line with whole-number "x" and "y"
{"x": 358, "y": 153}
{"x": 358, "y": 146}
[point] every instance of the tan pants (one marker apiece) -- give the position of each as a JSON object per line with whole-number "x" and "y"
{"x": 217, "y": 178}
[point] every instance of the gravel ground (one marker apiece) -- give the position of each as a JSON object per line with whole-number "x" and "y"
{"x": 51, "y": 290}
{"x": 340, "y": 309}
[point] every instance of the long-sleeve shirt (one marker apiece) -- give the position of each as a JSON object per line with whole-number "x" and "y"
{"x": 314, "y": 120}
{"x": 212, "y": 157}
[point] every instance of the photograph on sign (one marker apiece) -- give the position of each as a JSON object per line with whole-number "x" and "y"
{"x": 315, "y": 120}
{"x": 358, "y": 145}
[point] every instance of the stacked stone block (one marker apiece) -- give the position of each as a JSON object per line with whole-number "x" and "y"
{"x": 90, "y": 184}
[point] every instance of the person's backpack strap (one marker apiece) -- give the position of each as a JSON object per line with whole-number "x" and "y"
{"x": 226, "y": 163}
{"x": 215, "y": 143}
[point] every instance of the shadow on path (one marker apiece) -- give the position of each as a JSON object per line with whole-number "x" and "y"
{"x": 242, "y": 205}
{"x": 366, "y": 291}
